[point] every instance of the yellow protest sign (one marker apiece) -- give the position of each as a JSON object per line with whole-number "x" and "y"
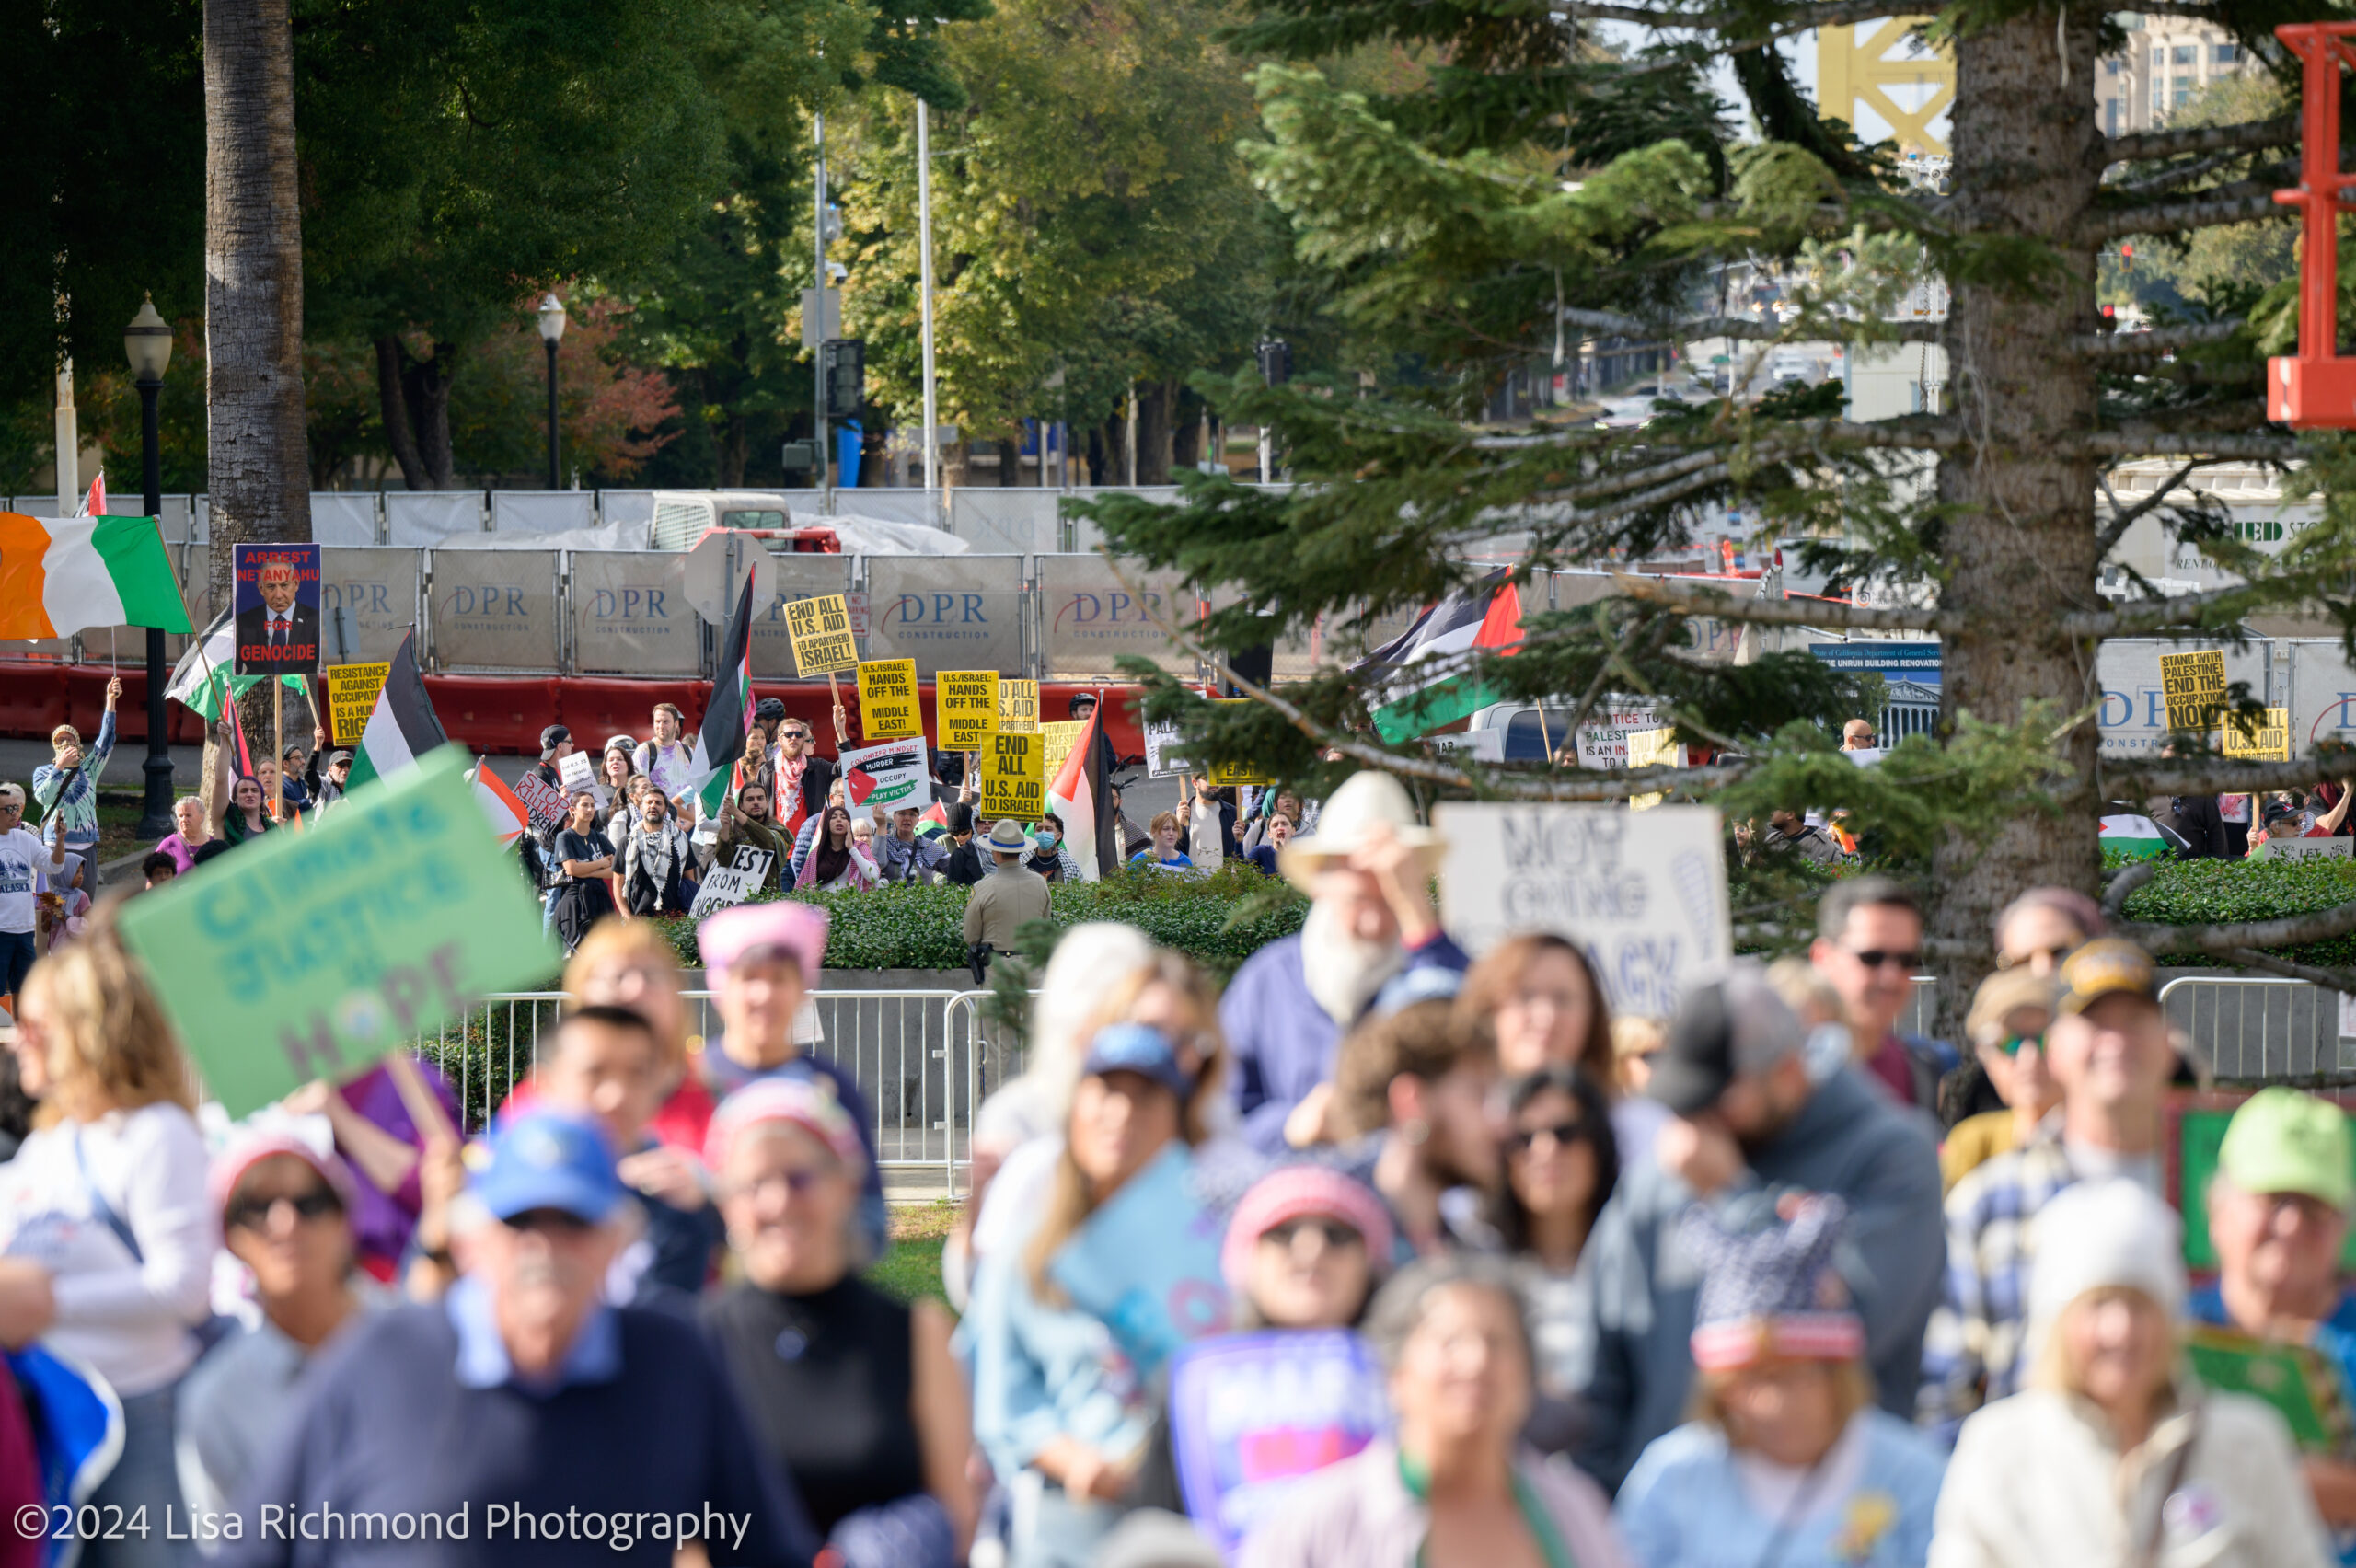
{"x": 1060, "y": 736}
{"x": 964, "y": 708}
{"x": 1014, "y": 777}
{"x": 2194, "y": 685}
{"x": 1238, "y": 772}
{"x": 887, "y": 700}
{"x": 1652, "y": 748}
{"x": 352, "y": 696}
{"x": 1018, "y": 707}
{"x": 820, "y": 629}
{"x": 2269, "y": 741}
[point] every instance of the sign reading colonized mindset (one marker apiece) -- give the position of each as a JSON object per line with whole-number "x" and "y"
{"x": 310, "y": 955}
{"x": 820, "y": 629}
{"x": 352, "y": 696}
{"x": 2194, "y": 685}
{"x": 887, "y": 700}
{"x": 1642, "y": 893}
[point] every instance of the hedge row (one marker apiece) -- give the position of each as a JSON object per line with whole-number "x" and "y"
{"x": 2205, "y": 892}
{"x": 1217, "y": 920}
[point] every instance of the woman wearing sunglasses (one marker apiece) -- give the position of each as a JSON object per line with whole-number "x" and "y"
{"x": 1562, "y": 1161}
{"x": 2006, "y": 1026}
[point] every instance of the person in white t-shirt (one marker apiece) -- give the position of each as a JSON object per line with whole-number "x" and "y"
{"x": 106, "y": 1237}
{"x": 23, "y": 857}
{"x": 664, "y": 758}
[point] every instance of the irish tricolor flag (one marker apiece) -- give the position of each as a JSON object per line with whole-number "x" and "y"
{"x": 1420, "y": 675}
{"x": 60, "y": 575}
{"x": 401, "y": 728}
{"x": 728, "y": 715}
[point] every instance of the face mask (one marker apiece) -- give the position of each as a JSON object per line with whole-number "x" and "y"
{"x": 1046, "y": 838}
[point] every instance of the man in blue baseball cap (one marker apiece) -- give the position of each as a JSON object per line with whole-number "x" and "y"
{"x": 522, "y": 1417}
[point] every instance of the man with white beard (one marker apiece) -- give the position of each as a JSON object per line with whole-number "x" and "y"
{"x": 1368, "y": 873}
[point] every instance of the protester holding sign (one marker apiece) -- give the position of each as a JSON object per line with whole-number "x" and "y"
{"x": 66, "y": 788}
{"x": 883, "y": 1470}
{"x": 1455, "y": 1484}
{"x": 108, "y": 1240}
{"x": 1059, "y": 1391}
{"x": 241, "y": 811}
{"x": 836, "y": 861}
{"x": 584, "y": 858}
{"x": 801, "y": 777}
{"x": 745, "y": 819}
{"x": 764, "y": 961}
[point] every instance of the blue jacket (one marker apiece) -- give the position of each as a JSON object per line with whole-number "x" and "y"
{"x": 1847, "y": 1139}
{"x": 1283, "y": 1041}
{"x": 70, "y": 796}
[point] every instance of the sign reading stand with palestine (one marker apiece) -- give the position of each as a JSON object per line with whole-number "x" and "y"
{"x": 820, "y": 629}
{"x": 1014, "y": 777}
{"x": 887, "y": 700}
{"x": 310, "y": 955}
{"x": 2266, "y": 741}
{"x": 965, "y": 706}
{"x": 352, "y": 696}
{"x": 2194, "y": 685}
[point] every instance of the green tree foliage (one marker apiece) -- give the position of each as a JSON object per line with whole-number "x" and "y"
{"x": 1534, "y": 183}
{"x": 1089, "y": 211}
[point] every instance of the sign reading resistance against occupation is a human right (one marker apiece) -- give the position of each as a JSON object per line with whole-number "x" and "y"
{"x": 2194, "y": 685}
{"x": 964, "y": 708}
{"x": 352, "y": 696}
{"x": 1014, "y": 777}
{"x": 310, "y": 955}
{"x": 887, "y": 700}
{"x": 820, "y": 629}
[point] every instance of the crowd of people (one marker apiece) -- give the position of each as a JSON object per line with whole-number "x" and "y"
{"x": 1378, "y": 1254}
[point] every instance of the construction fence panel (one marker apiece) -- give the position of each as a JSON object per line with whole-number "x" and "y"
{"x": 630, "y": 614}
{"x": 946, "y": 612}
{"x": 1090, "y": 617}
{"x": 493, "y": 609}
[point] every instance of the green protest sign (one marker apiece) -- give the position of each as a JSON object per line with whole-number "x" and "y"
{"x": 309, "y": 955}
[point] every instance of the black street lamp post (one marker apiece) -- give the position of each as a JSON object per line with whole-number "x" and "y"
{"x": 551, "y": 334}
{"x": 147, "y": 342}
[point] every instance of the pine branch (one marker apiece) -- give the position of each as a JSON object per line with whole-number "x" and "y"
{"x": 2142, "y": 146}
{"x": 2220, "y": 775}
{"x": 2151, "y": 614}
{"x": 1822, "y": 613}
{"x": 1736, "y": 327}
{"x": 1795, "y": 19}
{"x": 2329, "y": 979}
{"x": 2169, "y": 217}
{"x": 2296, "y": 930}
{"x": 2239, "y": 414}
{"x": 2126, "y": 442}
{"x": 2151, "y": 344}
{"x": 2173, "y": 178}
{"x": 2123, "y": 520}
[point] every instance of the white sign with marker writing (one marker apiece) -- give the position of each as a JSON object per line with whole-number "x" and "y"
{"x": 1642, "y": 893}
{"x": 726, "y": 886}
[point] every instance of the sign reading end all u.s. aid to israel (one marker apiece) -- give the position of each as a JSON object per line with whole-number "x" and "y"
{"x": 1642, "y": 893}
{"x": 311, "y": 955}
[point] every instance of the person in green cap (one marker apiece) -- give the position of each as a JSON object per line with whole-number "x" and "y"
{"x": 2278, "y": 1217}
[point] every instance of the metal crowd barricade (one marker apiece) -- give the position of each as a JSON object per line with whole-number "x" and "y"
{"x": 924, "y": 1058}
{"x": 2259, "y": 1028}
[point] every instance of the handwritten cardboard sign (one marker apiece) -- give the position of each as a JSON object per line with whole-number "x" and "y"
{"x": 1014, "y": 777}
{"x": 820, "y": 629}
{"x": 2269, "y": 741}
{"x": 887, "y": 700}
{"x": 310, "y": 955}
{"x": 542, "y": 799}
{"x": 352, "y": 696}
{"x": 965, "y": 704}
{"x": 727, "y": 886}
{"x": 1643, "y": 894}
{"x": 2194, "y": 688}
{"x": 1018, "y": 707}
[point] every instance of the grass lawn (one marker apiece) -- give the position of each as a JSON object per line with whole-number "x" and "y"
{"x": 914, "y": 1268}
{"x": 119, "y": 823}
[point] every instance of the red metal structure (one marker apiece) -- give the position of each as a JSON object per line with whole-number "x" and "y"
{"x": 2317, "y": 389}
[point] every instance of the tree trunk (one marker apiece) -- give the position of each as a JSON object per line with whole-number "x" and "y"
{"x": 2020, "y": 538}
{"x": 1010, "y": 463}
{"x": 1155, "y": 400}
{"x": 258, "y": 461}
{"x": 392, "y": 407}
{"x": 425, "y": 390}
{"x": 731, "y": 448}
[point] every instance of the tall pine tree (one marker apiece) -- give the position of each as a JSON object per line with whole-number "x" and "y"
{"x": 1533, "y": 181}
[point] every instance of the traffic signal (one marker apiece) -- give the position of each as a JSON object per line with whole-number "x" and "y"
{"x": 1276, "y": 362}
{"x": 844, "y": 363}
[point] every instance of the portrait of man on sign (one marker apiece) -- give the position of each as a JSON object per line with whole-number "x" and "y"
{"x": 278, "y": 608}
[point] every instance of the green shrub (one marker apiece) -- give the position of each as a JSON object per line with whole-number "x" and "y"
{"x": 1217, "y": 920}
{"x": 2205, "y": 892}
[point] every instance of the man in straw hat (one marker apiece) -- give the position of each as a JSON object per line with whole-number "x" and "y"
{"x": 1367, "y": 872}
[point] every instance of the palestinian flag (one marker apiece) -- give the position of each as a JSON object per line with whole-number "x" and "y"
{"x": 510, "y": 817}
{"x": 2137, "y": 838}
{"x": 729, "y": 714}
{"x": 199, "y": 679}
{"x": 935, "y": 820}
{"x": 401, "y": 728}
{"x": 1079, "y": 795}
{"x": 59, "y": 575}
{"x": 1419, "y": 676}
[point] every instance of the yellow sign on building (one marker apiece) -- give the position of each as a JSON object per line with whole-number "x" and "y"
{"x": 1859, "y": 65}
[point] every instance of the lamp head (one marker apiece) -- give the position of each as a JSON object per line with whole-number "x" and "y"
{"x": 552, "y": 319}
{"x": 147, "y": 342}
